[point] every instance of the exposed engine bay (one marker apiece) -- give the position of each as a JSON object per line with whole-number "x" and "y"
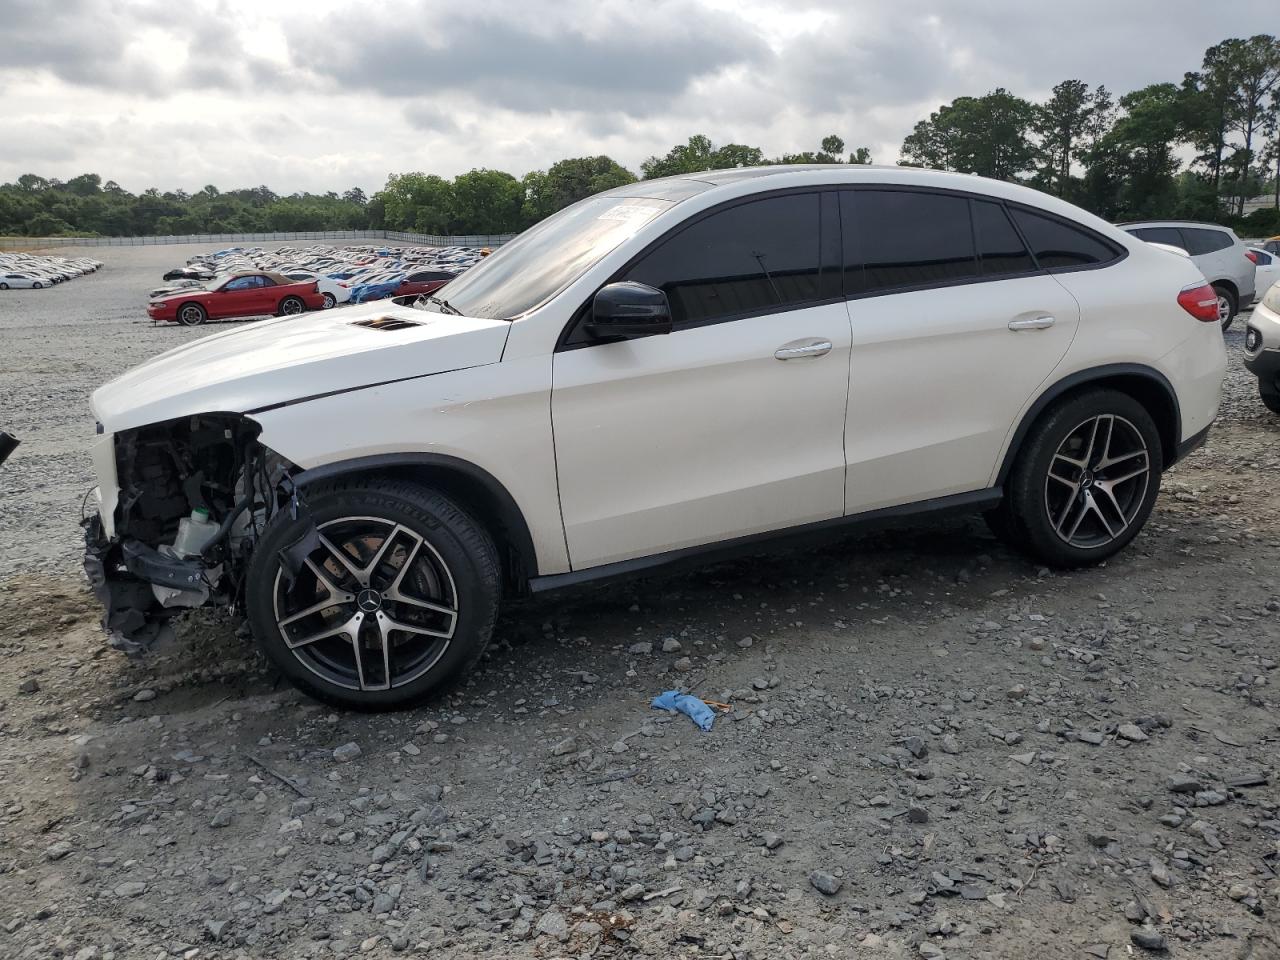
{"x": 194, "y": 497}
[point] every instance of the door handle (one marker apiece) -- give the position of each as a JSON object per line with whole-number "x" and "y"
{"x": 1032, "y": 323}
{"x": 803, "y": 348}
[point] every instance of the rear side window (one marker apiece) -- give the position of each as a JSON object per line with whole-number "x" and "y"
{"x": 899, "y": 238}
{"x": 1056, "y": 243}
{"x": 751, "y": 258}
{"x": 1168, "y": 235}
{"x": 1264, "y": 259}
{"x": 1200, "y": 241}
{"x": 1000, "y": 249}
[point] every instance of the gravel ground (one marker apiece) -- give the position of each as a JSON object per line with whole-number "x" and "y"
{"x": 935, "y": 748}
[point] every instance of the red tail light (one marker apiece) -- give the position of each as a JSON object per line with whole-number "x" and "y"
{"x": 1253, "y": 257}
{"x": 1201, "y": 301}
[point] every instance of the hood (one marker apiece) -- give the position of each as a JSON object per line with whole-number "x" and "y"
{"x": 290, "y": 358}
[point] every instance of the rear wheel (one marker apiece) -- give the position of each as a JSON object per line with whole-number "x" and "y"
{"x": 3, "y": 285}
{"x": 192, "y": 315}
{"x": 291, "y": 307}
{"x": 1226, "y": 305}
{"x": 393, "y": 599}
{"x": 1086, "y": 479}
{"x": 38, "y": 285}
{"x": 330, "y": 301}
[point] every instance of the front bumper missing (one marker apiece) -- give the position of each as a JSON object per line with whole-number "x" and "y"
{"x": 129, "y": 579}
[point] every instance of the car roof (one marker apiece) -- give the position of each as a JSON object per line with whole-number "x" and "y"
{"x": 1174, "y": 223}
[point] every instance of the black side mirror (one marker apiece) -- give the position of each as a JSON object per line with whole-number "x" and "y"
{"x": 628, "y": 310}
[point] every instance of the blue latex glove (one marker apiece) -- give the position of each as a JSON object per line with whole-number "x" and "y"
{"x": 689, "y": 705}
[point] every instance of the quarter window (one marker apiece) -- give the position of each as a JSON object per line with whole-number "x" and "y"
{"x": 1200, "y": 242}
{"x": 1056, "y": 244}
{"x": 904, "y": 239}
{"x": 1000, "y": 249}
{"x": 754, "y": 257}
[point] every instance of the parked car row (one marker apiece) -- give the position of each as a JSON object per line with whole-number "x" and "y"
{"x": 1223, "y": 258}
{"x": 352, "y": 274}
{"x": 30, "y": 271}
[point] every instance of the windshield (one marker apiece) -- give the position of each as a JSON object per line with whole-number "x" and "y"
{"x": 546, "y": 258}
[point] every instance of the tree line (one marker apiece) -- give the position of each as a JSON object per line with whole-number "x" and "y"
{"x": 1196, "y": 149}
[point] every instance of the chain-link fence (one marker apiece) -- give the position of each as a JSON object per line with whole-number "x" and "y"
{"x": 242, "y": 239}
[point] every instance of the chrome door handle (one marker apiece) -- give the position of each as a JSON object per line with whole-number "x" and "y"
{"x": 1032, "y": 323}
{"x": 803, "y": 348}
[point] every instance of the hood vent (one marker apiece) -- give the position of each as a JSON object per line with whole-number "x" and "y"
{"x": 386, "y": 323}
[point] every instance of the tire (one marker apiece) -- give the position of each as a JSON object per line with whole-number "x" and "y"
{"x": 447, "y": 560}
{"x": 37, "y": 285}
{"x": 330, "y": 301}
{"x": 1270, "y": 395}
{"x": 1099, "y": 508}
{"x": 1227, "y": 305}
{"x": 4, "y": 286}
{"x": 192, "y": 315}
{"x": 291, "y": 307}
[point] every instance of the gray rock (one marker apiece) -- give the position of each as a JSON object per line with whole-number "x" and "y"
{"x": 216, "y": 928}
{"x": 671, "y": 645}
{"x": 917, "y": 814}
{"x": 564, "y": 747}
{"x": 772, "y": 841}
{"x": 644, "y": 646}
{"x": 1184, "y": 783}
{"x": 221, "y": 818}
{"x": 130, "y": 888}
{"x": 347, "y": 752}
{"x": 1091, "y": 737}
{"x": 1149, "y": 939}
{"x": 383, "y": 903}
{"x": 825, "y": 883}
{"x": 142, "y": 696}
{"x": 29, "y": 685}
{"x": 553, "y": 924}
{"x": 1132, "y": 732}
{"x": 633, "y": 892}
{"x": 57, "y": 850}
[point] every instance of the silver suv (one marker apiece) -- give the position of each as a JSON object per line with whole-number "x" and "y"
{"x": 1221, "y": 256}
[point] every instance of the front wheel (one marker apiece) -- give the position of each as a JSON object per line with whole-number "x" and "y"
{"x": 1226, "y": 305}
{"x": 3, "y": 286}
{"x": 391, "y": 600}
{"x": 192, "y": 315}
{"x": 38, "y": 285}
{"x": 291, "y": 307}
{"x": 1085, "y": 480}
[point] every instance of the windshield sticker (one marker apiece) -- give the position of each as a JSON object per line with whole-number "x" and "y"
{"x": 628, "y": 211}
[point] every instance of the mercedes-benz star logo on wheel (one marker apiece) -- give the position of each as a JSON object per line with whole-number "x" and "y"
{"x": 369, "y": 601}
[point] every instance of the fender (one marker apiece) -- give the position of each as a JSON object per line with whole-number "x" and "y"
{"x": 474, "y": 486}
{"x": 1168, "y": 421}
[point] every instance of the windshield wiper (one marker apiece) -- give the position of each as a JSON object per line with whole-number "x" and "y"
{"x": 444, "y": 305}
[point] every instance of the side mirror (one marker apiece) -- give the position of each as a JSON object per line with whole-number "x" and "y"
{"x": 627, "y": 311}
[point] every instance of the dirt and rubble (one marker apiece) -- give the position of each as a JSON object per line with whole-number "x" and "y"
{"x": 935, "y": 749}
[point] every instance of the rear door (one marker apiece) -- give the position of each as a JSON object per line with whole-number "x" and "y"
{"x": 732, "y": 424}
{"x": 955, "y": 326}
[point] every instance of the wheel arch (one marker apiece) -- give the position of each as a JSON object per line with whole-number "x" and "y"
{"x": 1145, "y": 384}
{"x": 1231, "y": 288}
{"x": 474, "y": 488}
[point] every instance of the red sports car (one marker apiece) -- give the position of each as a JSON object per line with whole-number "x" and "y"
{"x": 240, "y": 295}
{"x": 422, "y": 282}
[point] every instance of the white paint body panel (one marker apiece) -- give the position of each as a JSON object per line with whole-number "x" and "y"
{"x": 935, "y": 378}
{"x": 701, "y": 435}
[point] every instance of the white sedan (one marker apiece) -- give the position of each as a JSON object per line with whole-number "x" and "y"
{"x": 334, "y": 292}
{"x": 1267, "y": 269}
{"x": 22, "y": 281}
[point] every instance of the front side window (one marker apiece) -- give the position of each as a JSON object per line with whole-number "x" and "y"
{"x": 750, "y": 258}
{"x": 1057, "y": 244}
{"x": 241, "y": 283}
{"x": 1166, "y": 235}
{"x": 897, "y": 239}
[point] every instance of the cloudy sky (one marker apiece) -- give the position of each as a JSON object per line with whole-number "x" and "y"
{"x": 318, "y": 95}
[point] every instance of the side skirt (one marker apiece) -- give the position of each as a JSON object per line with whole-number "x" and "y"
{"x": 824, "y": 530}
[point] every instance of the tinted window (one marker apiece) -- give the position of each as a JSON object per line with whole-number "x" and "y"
{"x": 752, "y": 257}
{"x": 242, "y": 283}
{"x": 1057, "y": 244}
{"x": 1169, "y": 235}
{"x": 1000, "y": 249}
{"x": 266, "y": 282}
{"x": 1205, "y": 241}
{"x": 906, "y": 239}
{"x": 1264, "y": 259}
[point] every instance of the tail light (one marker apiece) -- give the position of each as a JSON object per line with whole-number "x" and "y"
{"x": 1253, "y": 257}
{"x": 1201, "y": 301}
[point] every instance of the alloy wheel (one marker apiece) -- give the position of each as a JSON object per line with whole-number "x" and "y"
{"x": 373, "y": 607}
{"x": 291, "y": 307}
{"x": 1224, "y": 309}
{"x": 1097, "y": 481}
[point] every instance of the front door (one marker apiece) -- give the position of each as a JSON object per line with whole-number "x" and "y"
{"x": 733, "y": 423}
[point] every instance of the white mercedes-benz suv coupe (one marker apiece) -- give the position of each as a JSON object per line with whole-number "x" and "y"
{"x": 673, "y": 369}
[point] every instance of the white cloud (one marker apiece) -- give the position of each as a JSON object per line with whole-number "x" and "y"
{"x": 326, "y": 95}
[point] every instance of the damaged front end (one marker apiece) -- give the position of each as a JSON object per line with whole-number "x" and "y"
{"x": 181, "y": 506}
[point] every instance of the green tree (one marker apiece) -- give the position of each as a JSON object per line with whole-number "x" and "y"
{"x": 1062, "y": 125}
{"x": 416, "y": 201}
{"x": 989, "y": 136}
{"x": 486, "y": 201}
{"x": 568, "y": 181}
{"x": 1132, "y": 169}
{"x": 1258, "y": 79}
{"x": 861, "y": 155}
{"x": 832, "y": 145}
{"x": 691, "y": 157}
